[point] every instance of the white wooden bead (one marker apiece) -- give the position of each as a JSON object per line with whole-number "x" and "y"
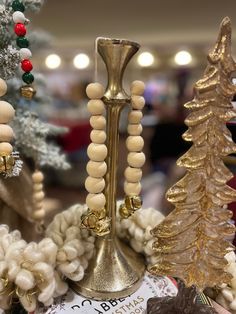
{"x": 135, "y": 116}
{"x": 38, "y": 214}
{"x": 136, "y": 160}
{"x": 94, "y": 185}
{"x": 134, "y": 143}
{"x": 37, "y": 177}
{"x": 97, "y": 152}
{"x": 38, "y": 187}
{"x": 96, "y": 169}
{"x": 135, "y": 129}
{"x": 132, "y": 189}
{"x": 95, "y": 91}
{"x": 96, "y": 106}
{"x": 39, "y": 196}
{"x": 3, "y": 87}
{"x": 6, "y": 133}
{"x": 98, "y": 122}
{"x": 39, "y": 205}
{"x": 25, "y": 53}
{"x": 7, "y": 112}
{"x": 95, "y": 201}
{"x": 5, "y": 149}
{"x": 138, "y": 102}
{"x": 18, "y": 17}
{"x": 133, "y": 174}
{"x": 137, "y": 88}
{"x": 98, "y": 136}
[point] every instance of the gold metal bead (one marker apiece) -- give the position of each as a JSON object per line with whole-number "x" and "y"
{"x": 133, "y": 202}
{"x": 96, "y": 221}
{"x": 124, "y": 212}
{"x": 27, "y": 92}
{"x": 7, "y": 162}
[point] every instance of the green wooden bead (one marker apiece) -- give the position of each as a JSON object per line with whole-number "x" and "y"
{"x": 22, "y": 42}
{"x": 28, "y": 77}
{"x": 18, "y": 6}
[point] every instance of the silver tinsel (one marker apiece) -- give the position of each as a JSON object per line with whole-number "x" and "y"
{"x": 31, "y": 134}
{"x": 33, "y": 5}
{"x": 9, "y": 62}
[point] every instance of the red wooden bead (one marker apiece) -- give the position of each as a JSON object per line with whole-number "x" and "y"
{"x": 20, "y": 29}
{"x": 26, "y": 65}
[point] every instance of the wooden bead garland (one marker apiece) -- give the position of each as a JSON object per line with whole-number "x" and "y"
{"x": 136, "y": 157}
{"x": 28, "y": 92}
{"x": 96, "y": 219}
{"x": 38, "y": 213}
{"x": 7, "y": 112}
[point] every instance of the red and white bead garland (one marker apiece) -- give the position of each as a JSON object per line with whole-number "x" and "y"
{"x": 7, "y": 113}
{"x": 22, "y": 42}
{"x": 96, "y": 167}
{"x": 38, "y": 196}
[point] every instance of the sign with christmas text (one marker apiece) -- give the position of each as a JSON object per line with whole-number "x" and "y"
{"x": 133, "y": 304}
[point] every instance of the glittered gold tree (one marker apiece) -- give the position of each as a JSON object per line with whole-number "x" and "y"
{"x": 192, "y": 241}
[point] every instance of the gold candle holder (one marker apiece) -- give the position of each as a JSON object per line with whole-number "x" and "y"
{"x": 115, "y": 270}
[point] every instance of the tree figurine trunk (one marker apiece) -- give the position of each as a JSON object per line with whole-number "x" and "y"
{"x": 192, "y": 241}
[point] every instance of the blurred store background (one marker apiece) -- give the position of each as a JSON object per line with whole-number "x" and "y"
{"x": 175, "y": 37}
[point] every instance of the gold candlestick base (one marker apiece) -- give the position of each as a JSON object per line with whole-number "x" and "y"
{"x": 122, "y": 271}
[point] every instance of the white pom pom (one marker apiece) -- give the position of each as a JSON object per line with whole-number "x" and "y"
{"x": 25, "y": 53}
{"x": 18, "y": 17}
{"x": 25, "y": 280}
{"x": 29, "y": 304}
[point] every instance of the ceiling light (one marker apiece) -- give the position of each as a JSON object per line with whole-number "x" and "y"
{"x": 145, "y": 59}
{"x": 81, "y": 61}
{"x": 183, "y": 58}
{"x": 53, "y": 61}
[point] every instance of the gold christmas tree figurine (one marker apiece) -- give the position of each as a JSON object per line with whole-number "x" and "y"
{"x": 191, "y": 242}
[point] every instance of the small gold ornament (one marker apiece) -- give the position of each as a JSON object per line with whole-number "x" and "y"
{"x": 7, "y": 163}
{"x": 27, "y": 92}
{"x": 132, "y": 203}
{"x": 96, "y": 221}
{"x": 191, "y": 243}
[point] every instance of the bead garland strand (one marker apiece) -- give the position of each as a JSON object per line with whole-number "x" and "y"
{"x": 96, "y": 218}
{"x": 7, "y": 113}
{"x": 21, "y": 41}
{"x": 28, "y": 92}
{"x": 136, "y": 157}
